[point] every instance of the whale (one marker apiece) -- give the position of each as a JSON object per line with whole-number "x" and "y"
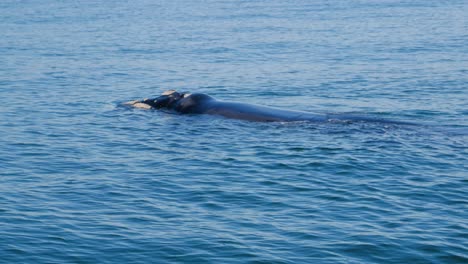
{"x": 199, "y": 103}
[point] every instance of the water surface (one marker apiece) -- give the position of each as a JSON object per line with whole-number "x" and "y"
{"x": 83, "y": 180}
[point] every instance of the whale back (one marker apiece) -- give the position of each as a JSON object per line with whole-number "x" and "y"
{"x": 196, "y": 103}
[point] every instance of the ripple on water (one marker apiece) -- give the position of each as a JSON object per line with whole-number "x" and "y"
{"x": 84, "y": 180}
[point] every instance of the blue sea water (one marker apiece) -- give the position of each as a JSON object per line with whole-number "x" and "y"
{"x": 83, "y": 180}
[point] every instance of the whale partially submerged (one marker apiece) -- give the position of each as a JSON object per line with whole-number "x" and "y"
{"x": 198, "y": 103}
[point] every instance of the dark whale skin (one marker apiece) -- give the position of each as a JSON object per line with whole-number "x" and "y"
{"x": 199, "y": 103}
{"x": 204, "y": 104}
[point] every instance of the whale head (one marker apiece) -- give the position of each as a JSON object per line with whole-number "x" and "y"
{"x": 167, "y": 99}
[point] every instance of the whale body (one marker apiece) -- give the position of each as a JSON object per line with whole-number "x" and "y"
{"x": 198, "y": 103}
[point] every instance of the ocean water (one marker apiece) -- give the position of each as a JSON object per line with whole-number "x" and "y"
{"x": 84, "y": 180}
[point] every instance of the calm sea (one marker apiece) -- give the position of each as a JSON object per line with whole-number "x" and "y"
{"x": 83, "y": 180}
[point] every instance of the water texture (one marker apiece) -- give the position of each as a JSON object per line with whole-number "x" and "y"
{"x": 83, "y": 180}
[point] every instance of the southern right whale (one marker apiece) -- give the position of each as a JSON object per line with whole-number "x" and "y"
{"x": 198, "y": 103}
